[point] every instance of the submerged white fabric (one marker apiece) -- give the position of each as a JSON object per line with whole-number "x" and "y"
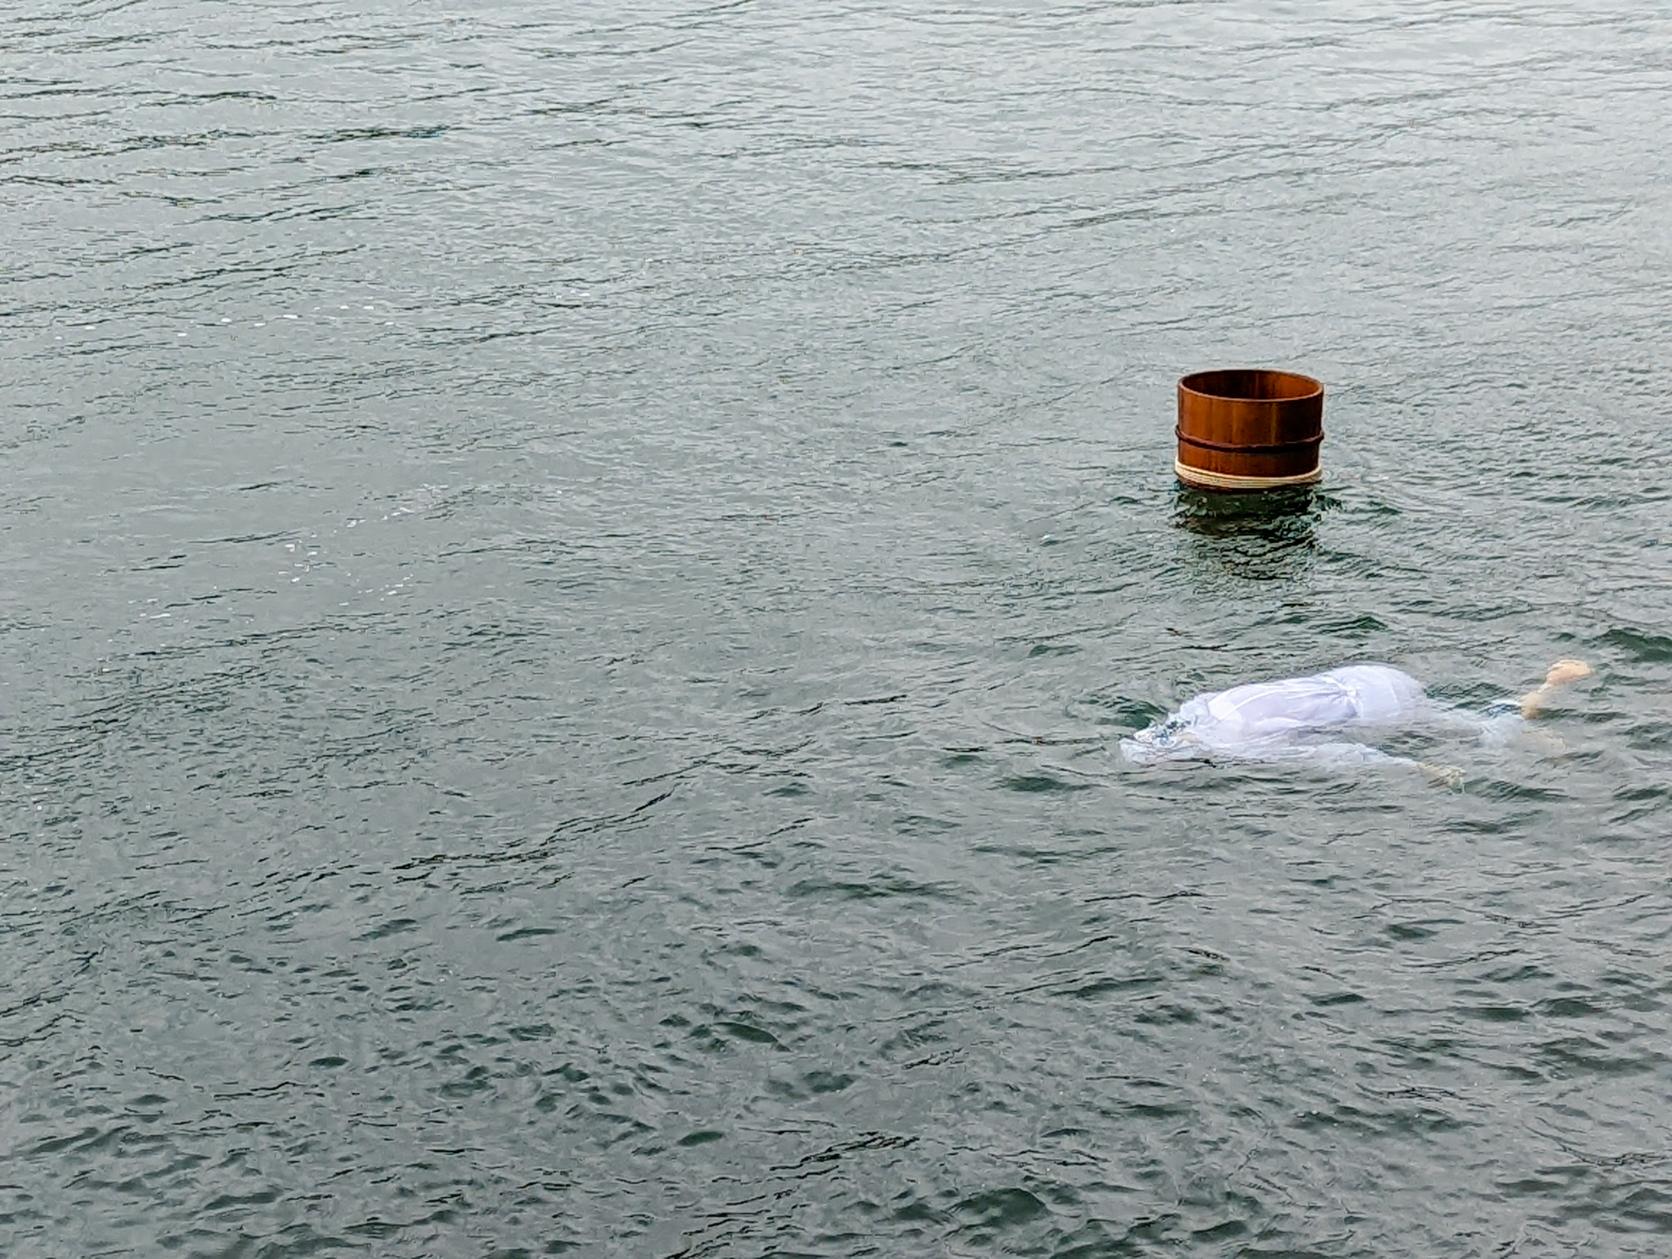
{"x": 1297, "y": 717}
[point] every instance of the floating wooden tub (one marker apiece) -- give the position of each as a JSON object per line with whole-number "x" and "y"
{"x": 1249, "y": 429}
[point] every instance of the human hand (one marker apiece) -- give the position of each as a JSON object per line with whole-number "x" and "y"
{"x": 1445, "y": 775}
{"x": 1565, "y": 671}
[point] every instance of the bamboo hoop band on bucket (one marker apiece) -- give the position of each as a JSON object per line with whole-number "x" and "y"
{"x": 1203, "y": 479}
{"x": 1246, "y": 448}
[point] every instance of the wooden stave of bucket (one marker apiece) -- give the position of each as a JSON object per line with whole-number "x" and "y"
{"x": 1247, "y": 429}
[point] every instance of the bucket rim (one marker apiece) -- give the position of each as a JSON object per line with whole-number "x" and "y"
{"x": 1312, "y": 387}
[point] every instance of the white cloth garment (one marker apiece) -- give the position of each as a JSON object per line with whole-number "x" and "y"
{"x": 1304, "y": 718}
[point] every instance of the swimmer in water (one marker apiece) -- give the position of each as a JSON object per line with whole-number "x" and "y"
{"x": 1303, "y": 719}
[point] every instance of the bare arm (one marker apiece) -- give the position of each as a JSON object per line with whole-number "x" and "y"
{"x": 1562, "y": 673}
{"x": 1342, "y": 754}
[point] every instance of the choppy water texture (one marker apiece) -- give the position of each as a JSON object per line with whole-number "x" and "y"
{"x": 572, "y": 575}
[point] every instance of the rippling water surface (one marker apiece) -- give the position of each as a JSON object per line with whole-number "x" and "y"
{"x": 573, "y": 574}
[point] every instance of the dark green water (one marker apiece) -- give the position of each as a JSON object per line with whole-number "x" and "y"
{"x": 572, "y": 578}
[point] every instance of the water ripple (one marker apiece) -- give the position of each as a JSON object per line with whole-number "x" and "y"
{"x": 574, "y": 576}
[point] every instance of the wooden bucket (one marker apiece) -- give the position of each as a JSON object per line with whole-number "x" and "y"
{"x": 1249, "y": 429}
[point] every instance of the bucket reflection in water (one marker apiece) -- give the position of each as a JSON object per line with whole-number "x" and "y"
{"x": 1269, "y": 536}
